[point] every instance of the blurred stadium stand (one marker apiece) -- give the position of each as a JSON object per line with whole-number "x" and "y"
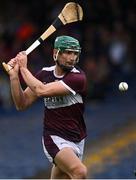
{"x": 107, "y": 37}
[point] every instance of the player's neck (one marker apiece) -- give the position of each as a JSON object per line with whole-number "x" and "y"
{"x": 59, "y": 71}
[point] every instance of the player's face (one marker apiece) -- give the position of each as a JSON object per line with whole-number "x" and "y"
{"x": 68, "y": 58}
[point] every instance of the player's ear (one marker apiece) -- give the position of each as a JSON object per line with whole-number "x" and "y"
{"x": 55, "y": 54}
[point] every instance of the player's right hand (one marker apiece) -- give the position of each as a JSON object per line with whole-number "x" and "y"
{"x": 15, "y": 67}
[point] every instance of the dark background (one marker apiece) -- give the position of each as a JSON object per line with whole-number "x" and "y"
{"x": 107, "y": 38}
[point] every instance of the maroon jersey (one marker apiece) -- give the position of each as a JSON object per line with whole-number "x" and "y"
{"x": 64, "y": 114}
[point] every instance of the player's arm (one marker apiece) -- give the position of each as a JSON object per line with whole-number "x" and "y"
{"x": 40, "y": 89}
{"x": 22, "y": 99}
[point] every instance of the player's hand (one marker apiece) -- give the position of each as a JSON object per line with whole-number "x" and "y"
{"x": 15, "y": 67}
{"x": 22, "y": 59}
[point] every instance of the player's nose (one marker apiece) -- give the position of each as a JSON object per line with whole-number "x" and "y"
{"x": 73, "y": 56}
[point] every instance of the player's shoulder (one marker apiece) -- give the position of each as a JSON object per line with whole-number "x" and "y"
{"x": 76, "y": 75}
{"x": 77, "y": 71}
{"x": 45, "y": 71}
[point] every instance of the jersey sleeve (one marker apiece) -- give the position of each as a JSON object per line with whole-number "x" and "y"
{"x": 39, "y": 75}
{"x": 75, "y": 82}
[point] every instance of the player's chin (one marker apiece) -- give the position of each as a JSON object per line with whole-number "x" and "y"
{"x": 67, "y": 68}
{"x": 71, "y": 65}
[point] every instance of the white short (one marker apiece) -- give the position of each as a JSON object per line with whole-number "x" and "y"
{"x": 55, "y": 143}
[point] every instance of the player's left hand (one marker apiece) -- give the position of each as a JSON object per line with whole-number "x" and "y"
{"x": 22, "y": 59}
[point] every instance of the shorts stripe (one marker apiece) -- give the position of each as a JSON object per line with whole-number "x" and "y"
{"x": 49, "y": 147}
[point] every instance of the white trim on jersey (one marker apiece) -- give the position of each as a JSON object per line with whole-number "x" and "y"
{"x": 57, "y": 76}
{"x": 74, "y": 70}
{"x": 51, "y": 68}
{"x": 71, "y": 90}
{"x": 62, "y": 101}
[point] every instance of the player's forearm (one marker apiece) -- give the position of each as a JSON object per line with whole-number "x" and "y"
{"x": 17, "y": 92}
{"x": 34, "y": 84}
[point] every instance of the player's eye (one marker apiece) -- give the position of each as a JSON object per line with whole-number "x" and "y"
{"x": 71, "y": 52}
